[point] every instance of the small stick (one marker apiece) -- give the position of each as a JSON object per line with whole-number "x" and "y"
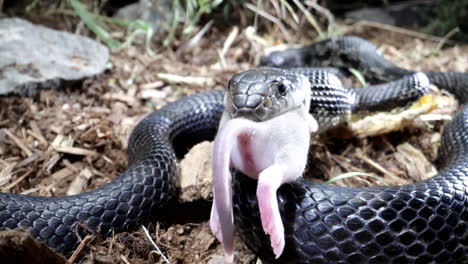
{"x": 79, "y": 249}
{"x": 227, "y": 44}
{"x": 13, "y": 184}
{"x": 32, "y": 190}
{"x": 173, "y": 78}
{"x": 154, "y": 244}
{"x": 19, "y": 143}
{"x": 375, "y": 165}
{"x": 111, "y": 244}
{"x": 340, "y": 160}
{"x": 75, "y": 151}
{"x": 36, "y": 133}
{"x": 124, "y": 259}
{"x": 6, "y": 173}
{"x": 191, "y": 43}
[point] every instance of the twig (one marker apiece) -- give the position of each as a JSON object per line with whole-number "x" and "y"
{"x": 32, "y": 190}
{"x": 154, "y": 244}
{"x": 19, "y": 143}
{"x": 14, "y": 183}
{"x": 173, "y": 78}
{"x": 124, "y": 259}
{"x": 229, "y": 40}
{"x": 375, "y": 165}
{"x": 227, "y": 44}
{"x": 75, "y": 151}
{"x": 111, "y": 244}
{"x": 340, "y": 160}
{"x": 6, "y": 173}
{"x": 79, "y": 249}
{"x": 191, "y": 43}
{"x": 36, "y": 133}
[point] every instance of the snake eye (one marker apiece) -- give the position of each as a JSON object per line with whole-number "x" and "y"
{"x": 282, "y": 88}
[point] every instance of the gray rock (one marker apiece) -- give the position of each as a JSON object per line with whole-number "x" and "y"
{"x": 157, "y": 13}
{"x": 34, "y": 57}
{"x": 410, "y": 14}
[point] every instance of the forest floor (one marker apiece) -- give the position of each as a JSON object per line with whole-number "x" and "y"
{"x": 41, "y": 137}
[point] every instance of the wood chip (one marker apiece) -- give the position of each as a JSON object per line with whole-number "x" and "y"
{"x": 57, "y": 140}
{"x": 28, "y": 160}
{"x": 375, "y": 165}
{"x": 128, "y": 99}
{"x": 413, "y": 160}
{"x": 32, "y": 190}
{"x": 50, "y": 164}
{"x": 189, "y": 80}
{"x": 107, "y": 159}
{"x": 6, "y": 173}
{"x": 152, "y": 85}
{"x": 76, "y": 167}
{"x": 36, "y": 133}
{"x": 79, "y": 249}
{"x": 75, "y": 151}
{"x": 62, "y": 174}
{"x": 154, "y": 94}
{"x": 124, "y": 259}
{"x": 38, "y": 137}
{"x": 15, "y": 182}
{"x": 19, "y": 143}
{"x": 79, "y": 184}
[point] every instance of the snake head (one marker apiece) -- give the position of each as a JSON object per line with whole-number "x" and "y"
{"x": 263, "y": 93}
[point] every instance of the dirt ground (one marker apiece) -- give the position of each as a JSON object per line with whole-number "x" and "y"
{"x": 48, "y": 143}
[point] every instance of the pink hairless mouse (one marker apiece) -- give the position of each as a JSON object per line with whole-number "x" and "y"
{"x": 264, "y": 133}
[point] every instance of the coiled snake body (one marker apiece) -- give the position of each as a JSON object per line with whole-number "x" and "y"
{"x": 420, "y": 223}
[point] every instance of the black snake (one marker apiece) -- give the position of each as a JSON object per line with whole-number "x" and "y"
{"x": 420, "y": 223}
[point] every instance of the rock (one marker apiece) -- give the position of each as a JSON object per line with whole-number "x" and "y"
{"x": 410, "y": 14}
{"x": 196, "y": 180}
{"x": 156, "y": 13}
{"x": 34, "y": 57}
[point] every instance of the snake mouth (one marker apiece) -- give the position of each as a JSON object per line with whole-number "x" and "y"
{"x": 257, "y": 115}
{"x": 255, "y": 107}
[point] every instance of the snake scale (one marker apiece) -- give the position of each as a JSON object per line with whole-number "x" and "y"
{"x": 419, "y": 223}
